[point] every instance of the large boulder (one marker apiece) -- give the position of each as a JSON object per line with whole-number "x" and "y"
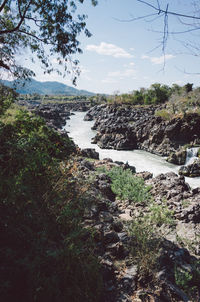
{"x": 192, "y": 170}
{"x": 177, "y": 158}
{"x": 90, "y": 153}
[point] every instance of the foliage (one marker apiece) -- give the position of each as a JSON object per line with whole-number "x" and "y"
{"x": 156, "y": 94}
{"x": 145, "y": 245}
{"x": 126, "y": 186}
{"x": 160, "y": 214}
{"x": 146, "y": 235}
{"x": 7, "y": 97}
{"x": 47, "y": 28}
{"x": 184, "y": 100}
{"x": 164, "y": 114}
{"x": 44, "y": 254}
{"x": 189, "y": 280}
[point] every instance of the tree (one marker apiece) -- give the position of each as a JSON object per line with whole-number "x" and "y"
{"x": 186, "y": 22}
{"x": 46, "y": 28}
{"x": 7, "y": 97}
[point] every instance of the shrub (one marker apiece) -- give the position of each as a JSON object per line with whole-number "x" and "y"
{"x": 126, "y": 186}
{"x": 147, "y": 236}
{"x": 7, "y": 97}
{"x": 165, "y": 114}
{"x": 145, "y": 245}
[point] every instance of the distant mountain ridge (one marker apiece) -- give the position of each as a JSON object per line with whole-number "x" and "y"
{"x": 50, "y": 88}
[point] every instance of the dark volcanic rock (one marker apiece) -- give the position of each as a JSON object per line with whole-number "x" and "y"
{"x": 177, "y": 158}
{"x": 90, "y": 153}
{"x": 125, "y": 127}
{"x": 192, "y": 170}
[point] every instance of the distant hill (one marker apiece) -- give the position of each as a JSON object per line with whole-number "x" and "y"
{"x": 50, "y": 88}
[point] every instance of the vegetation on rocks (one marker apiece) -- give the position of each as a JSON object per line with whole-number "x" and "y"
{"x": 127, "y": 186}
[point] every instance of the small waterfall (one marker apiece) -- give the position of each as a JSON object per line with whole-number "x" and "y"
{"x": 191, "y": 155}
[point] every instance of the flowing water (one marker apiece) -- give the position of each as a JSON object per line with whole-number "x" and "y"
{"x": 191, "y": 155}
{"x": 81, "y": 133}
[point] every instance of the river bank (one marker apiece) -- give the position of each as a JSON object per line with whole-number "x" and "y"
{"x": 148, "y": 249}
{"x": 82, "y": 134}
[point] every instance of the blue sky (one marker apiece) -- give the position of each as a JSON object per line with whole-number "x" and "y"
{"x": 124, "y": 56}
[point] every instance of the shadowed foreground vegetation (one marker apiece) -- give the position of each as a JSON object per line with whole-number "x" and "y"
{"x": 44, "y": 254}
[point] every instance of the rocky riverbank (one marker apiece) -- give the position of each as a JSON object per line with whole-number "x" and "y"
{"x": 56, "y": 114}
{"x": 126, "y": 128}
{"x": 148, "y": 250}
{"x": 125, "y": 278}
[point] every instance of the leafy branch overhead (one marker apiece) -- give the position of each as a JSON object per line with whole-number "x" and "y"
{"x": 45, "y": 27}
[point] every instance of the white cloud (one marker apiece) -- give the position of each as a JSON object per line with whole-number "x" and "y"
{"x": 109, "y": 80}
{"x": 158, "y": 60}
{"x": 122, "y": 74}
{"x": 114, "y": 76}
{"x": 109, "y": 50}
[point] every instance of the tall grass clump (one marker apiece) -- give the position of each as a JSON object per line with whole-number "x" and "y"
{"x": 146, "y": 232}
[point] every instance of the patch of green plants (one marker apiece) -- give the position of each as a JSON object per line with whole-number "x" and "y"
{"x": 189, "y": 280}
{"x": 160, "y": 214}
{"x": 127, "y": 186}
{"x": 163, "y": 113}
{"x": 44, "y": 253}
{"x": 147, "y": 238}
{"x": 145, "y": 245}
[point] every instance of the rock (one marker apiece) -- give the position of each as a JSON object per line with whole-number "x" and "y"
{"x": 103, "y": 183}
{"x": 90, "y": 153}
{"x": 192, "y": 170}
{"x": 126, "y": 128}
{"x": 116, "y": 250}
{"x": 128, "y": 281}
{"x": 110, "y": 237}
{"x": 177, "y": 158}
{"x": 117, "y": 226}
{"x": 105, "y": 217}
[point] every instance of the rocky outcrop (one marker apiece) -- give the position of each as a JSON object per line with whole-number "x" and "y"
{"x": 56, "y": 114}
{"x": 177, "y": 158}
{"x": 127, "y": 127}
{"x": 192, "y": 170}
{"x": 90, "y": 153}
{"x": 122, "y": 278}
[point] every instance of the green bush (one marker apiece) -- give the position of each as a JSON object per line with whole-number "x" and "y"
{"x": 146, "y": 236}
{"x": 127, "y": 186}
{"x": 145, "y": 245}
{"x": 7, "y": 97}
{"x": 165, "y": 114}
{"x": 44, "y": 252}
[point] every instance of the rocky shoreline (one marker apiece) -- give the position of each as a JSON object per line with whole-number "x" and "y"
{"x": 110, "y": 217}
{"x": 124, "y": 127}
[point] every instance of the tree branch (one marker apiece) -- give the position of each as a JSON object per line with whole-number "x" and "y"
{"x": 20, "y": 22}
{"x": 2, "y": 5}
{"x": 166, "y": 11}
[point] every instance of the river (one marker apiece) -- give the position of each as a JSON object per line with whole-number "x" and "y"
{"x": 81, "y": 133}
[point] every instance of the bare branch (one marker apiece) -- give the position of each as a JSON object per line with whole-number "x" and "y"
{"x": 136, "y": 18}
{"x": 159, "y": 10}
